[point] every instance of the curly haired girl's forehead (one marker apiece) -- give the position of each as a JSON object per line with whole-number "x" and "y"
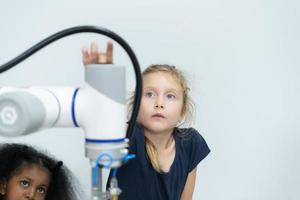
{"x": 26, "y": 165}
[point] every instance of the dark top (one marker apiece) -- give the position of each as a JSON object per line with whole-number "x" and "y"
{"x": 138, "y": 179}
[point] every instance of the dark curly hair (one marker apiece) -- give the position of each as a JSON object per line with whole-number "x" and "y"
{"x": 13, "y": 157}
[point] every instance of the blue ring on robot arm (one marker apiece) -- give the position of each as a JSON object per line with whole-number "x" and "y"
{"x": 73, "y": 108}
{"x": 105, "y": 141}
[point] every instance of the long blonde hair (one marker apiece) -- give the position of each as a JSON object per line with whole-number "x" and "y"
{"x": 187, "y": 109}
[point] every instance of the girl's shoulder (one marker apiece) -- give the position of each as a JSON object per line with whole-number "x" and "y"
{"x": 188, "y": 135}
{"x": 192, "y": 144}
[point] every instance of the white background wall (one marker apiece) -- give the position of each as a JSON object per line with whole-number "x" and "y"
{"x": 241, "y": 57}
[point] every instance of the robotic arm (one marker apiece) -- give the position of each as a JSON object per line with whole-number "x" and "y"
{"x": 99, "y": 107}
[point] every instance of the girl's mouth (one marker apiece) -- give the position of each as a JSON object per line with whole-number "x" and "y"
{"x": 158, "y": 115}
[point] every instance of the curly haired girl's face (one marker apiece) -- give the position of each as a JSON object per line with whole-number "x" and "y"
{"x": 30, "y": 183}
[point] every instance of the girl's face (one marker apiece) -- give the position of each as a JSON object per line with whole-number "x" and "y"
{"x": 30, "y": 183}
{"x": 162, "y": 102}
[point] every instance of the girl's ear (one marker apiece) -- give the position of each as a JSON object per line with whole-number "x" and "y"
{"x": 2, "y": 187}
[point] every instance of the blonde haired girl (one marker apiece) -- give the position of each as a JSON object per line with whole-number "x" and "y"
{"x": 167, "y": 156}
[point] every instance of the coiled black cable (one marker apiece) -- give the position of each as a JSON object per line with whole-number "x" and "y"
{"x": 89, "y": 29}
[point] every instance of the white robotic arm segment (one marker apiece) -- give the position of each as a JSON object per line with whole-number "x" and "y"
{"x": 27, "y": 110}
{"x": 23, "y": 110}
{"x": 101, "y": 118}
{"x": 98, "y": 107}
{"x": 65, "y": 99}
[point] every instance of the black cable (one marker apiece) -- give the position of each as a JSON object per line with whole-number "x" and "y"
{"x": 90, "y": 29}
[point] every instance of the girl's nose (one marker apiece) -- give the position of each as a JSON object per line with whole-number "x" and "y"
{"x": 159, "y": 106}
{"x": 30, "y": 194}
{"x": 159, "y": 103}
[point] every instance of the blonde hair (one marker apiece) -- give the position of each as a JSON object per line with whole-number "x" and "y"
{"x": 187, "y": 109}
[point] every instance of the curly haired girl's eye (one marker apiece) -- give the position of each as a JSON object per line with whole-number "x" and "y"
{"x": 41, "y": 190}
{"x": 24, "y": 183}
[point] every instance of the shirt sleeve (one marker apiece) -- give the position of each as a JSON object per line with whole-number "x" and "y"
{"x": 198, "y": 149}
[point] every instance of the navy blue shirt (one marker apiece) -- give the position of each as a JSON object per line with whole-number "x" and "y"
{"x": 138, "y": 179}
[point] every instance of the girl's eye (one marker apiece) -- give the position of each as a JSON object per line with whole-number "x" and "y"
{"x": 150, "y": 94}
{"x": 24, "y": 183}
{"x": 41, "y": 190}
{"x": 171, "y": 96}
